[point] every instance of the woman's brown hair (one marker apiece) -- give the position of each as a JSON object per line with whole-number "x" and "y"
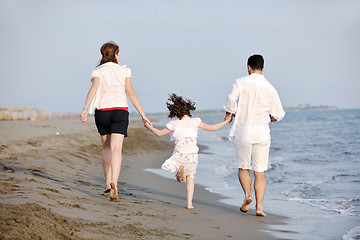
{"x": 108, "y": 51}
{"x": 179, "y": 107}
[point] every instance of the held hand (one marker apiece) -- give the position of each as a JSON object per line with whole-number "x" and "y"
{"x": 147, "y": 125}
{"x": 146, "y": 121}
{"x": 84, "y": 115}
{"x": 272, "y": 119}
{"x": 229, "y": 117}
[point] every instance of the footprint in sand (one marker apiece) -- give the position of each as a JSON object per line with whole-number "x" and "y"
{"x": 50, "y": 189}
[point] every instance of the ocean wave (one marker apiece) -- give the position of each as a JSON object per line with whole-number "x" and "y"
{"x": 224, "y": 170}
{"x": 352, "y": 234}
{"x": 275, "y": 180}
{"x": 276, "y": 163}
{"x": 275, "y": 166}
{"x": 343, "y": 207}
{"x": 275, "y": 148}
{"x": 343, "y": 175}
{"x": 304, "y": 190}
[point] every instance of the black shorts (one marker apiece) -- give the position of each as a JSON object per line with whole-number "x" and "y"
{"x": 112, "y": 121}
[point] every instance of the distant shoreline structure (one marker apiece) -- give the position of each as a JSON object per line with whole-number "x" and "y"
{"x": 34, "y": 114}
{"x": 31, "y": 114}
{"x": 309, "y": 107}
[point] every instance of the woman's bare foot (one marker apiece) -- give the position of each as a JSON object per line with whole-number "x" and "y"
{"x": 113, "y": 193}
{"x": 180, "y": 174}
{"x": 245, "y": 206}
{"x": 107, "y": 190}
{"x": 260, "y": 214}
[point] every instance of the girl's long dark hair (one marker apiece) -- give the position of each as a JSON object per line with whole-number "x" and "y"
{"x": 108, "y": 51}
{"x": 179, "y": 107}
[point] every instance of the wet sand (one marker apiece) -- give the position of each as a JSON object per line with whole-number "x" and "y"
{"x": 52, "y": 188}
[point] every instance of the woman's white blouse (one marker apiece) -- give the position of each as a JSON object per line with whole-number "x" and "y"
{"x": 111, "y": 92}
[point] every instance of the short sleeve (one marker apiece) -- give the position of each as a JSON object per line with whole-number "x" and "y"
{"x": 171, "y": 125}
{"x": 128, "y": 72}
{"x": 95, "y": 73}
{"x": 197, "y": 121}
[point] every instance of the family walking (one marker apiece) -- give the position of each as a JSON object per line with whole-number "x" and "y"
{"x": 253, "y": 102}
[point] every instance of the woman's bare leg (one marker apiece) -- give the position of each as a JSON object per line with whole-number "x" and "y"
{"x": 116, "y": 156}
{"x": 106, "y": 159}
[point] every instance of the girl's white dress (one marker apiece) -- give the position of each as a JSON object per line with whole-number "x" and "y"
{"x": 184, "y": 132}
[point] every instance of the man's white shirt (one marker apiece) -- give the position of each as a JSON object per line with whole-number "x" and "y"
{"x": 253, "y": 99}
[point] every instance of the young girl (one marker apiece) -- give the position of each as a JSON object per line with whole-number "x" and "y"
{"x": 184, "y": 131}
{"x": 111, "y": 86}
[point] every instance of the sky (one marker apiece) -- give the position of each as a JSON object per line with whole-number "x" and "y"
{"x": 193, "y": 48}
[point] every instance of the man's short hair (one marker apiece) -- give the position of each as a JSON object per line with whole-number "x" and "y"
{"x": 256, "y": 62}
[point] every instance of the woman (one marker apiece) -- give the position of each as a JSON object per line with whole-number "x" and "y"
{"x": 111, "y": 84}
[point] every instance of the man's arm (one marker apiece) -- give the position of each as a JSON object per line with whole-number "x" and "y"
{"x": 232, "y": 99}
{"x": 277, "y": 111}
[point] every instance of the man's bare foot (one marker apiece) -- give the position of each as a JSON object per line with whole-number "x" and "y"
{"x": 113, "y": 193}
{"x": 190, "y": 208}
{"x": 180, "y": 174}
{"x": 245, "y": 206}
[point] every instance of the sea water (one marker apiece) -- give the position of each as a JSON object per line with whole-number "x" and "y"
{"x": 313, "y": 176}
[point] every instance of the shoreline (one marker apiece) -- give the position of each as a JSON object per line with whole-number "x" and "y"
{"x": 54, "y": 167}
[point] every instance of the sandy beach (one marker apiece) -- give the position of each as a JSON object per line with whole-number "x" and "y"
{"x": 52, "y": 188}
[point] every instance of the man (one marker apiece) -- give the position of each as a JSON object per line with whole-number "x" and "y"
{"x": 254, "y": 102}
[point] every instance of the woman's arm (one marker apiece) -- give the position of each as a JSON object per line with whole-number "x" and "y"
{"x": 156, "y": 131}
{"x": 134, "y": 99}
{"x": 90, "y": 96}
{"x": 214, "y": 127}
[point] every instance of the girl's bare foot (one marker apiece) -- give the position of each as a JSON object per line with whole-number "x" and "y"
{"x": 245, "y": 206}
{"x": 190, "y": 206}
{"x": 113, "y": 193}
{"x": 180, "y": 174}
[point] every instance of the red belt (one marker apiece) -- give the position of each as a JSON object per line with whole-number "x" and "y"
{"x": 113, "y": 108}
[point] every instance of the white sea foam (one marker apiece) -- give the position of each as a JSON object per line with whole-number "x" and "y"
{"x": 344, "y": 207}
{"x": 352, "y": 234}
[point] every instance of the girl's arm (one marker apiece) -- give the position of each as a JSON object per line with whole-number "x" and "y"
{"x": 90, "y": 96}
{"x": 214, "y": 127}
{"x": 134, "y": 99}
{"x": 156, "y": 131}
